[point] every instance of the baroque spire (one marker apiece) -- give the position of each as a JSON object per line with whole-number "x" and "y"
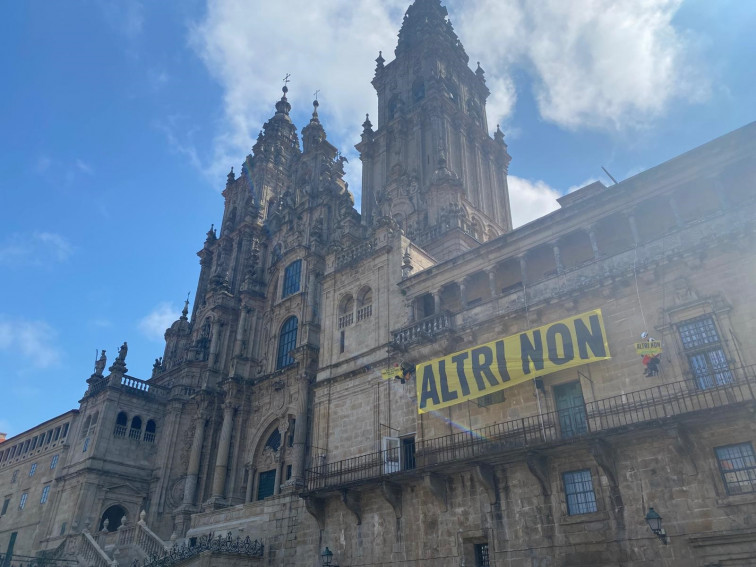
{"x": 424, "y": 21}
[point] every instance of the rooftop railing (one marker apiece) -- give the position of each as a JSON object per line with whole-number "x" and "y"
{"x": 565, "y": 425}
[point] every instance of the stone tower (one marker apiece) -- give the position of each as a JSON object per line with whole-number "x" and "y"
{"x": 431, "y": 165}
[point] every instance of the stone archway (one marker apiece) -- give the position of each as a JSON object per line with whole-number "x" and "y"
{"x": 114, "y": 516}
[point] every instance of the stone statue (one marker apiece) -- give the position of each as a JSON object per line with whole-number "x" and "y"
{"x": 100, "y": 363}
{"x": 122, "y": 352}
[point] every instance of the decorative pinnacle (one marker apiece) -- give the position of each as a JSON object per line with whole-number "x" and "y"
{"x": 367, "y": 126}
{"x": 380, "y": 60}
{"x": 231, "y": 177}
{"x": 185, "y": 310}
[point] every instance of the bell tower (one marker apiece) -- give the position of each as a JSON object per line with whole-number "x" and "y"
{"x": 431, "y": 165}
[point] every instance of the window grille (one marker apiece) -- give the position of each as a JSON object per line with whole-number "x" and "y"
{"x": 54, "y": 462}
{"x": 578, "y": 487}
{"x": 33, "y": 469}
{"x": 737, "y": 464}
{"x": 292, "y": 277}
{"x": 45, "y": 494}
{"x": 706, "y": 357}
{"x": 22, "y": 502}
{"x": 481, "y": 555}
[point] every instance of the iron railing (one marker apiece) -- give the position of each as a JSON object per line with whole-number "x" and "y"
{"x": 12, "y": 560}
{"x": 564, "y": 425}
{"x": 227, "y": 545}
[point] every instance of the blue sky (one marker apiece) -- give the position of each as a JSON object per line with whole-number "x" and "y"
{"x": 121, "y": 119}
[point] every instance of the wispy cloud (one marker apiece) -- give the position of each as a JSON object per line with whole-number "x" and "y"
{"x": 530, "y": 199}
{"x": 248, "y": 57}
{"x": 599, "y": 64}
{"x": 35, "y": 249}
{"x": 592, "y": 64}
{"x": 154, "y": 324}
{"x": 84, "y": 167}
{"x": 34, "y": 341}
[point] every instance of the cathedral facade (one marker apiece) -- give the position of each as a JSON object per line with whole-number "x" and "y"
{"x": 418, "y": 383}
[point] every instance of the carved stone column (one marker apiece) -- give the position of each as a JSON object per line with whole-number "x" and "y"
{"x": 192, "y": 470}
{"x": 300, "y": 429}
{"x": 250, "y": 483}
{"x": 437, "y": 302}
{"x": 463, "y": 295}
{"x": 558, "y": 259}
{"x": 523, "y": 270}
{"x": 221, "y": 461}
{"x": 594, "y": 242}
{"x": 240, "y": 330}
{"x": 492, "y": 283}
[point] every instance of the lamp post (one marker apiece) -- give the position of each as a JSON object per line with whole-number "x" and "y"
{"x": 326, "y": 558}
{"x": 654, "y": 521}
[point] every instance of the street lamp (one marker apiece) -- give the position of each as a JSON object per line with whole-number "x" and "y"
{"x": 326, "y": 557}
{"x": 654, "y": 521}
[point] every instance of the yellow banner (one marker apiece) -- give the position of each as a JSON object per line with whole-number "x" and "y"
{"x": 648, "y": 347}
{"x": 392, "y": 373}
{"x": 494, "y": 366}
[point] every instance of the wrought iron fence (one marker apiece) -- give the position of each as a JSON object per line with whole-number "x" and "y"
{"x": 564, "y": 425}
{"x": 11, "y": 560}
{"x": 219, "y": 544}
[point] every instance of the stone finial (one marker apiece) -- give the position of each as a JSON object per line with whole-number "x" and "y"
{"x": 185, "y": 310}
{"x": 142, "y": 516}
{"x": 367, "y": 126}
{"x": 499, "y": 136}
{"x": 379, "y": 61}
{"x": 230, "y": 178}
{"x": 480, "y": 73}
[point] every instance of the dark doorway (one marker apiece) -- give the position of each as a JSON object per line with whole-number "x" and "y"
{"x": 114, "y": 515}
{"x": 571, "y": 409}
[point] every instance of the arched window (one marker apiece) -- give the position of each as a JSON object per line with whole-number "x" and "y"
{"x": 149, "y": 431}
{"x": 346, "y": 311}
{"x": 364, "y": 304}
{"x": 122, "y": 421}
{"x": 136, "y": 428}
{"x": 287, "y": 341}
{"x": 274, "y": 441}
{"x": 112, "y": 518}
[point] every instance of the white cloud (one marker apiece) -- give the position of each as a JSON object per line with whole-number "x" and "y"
{"x": 591, "y": 64}
{"x": 154, "y": 324}
{"x": 84, "y": 167}
{"x": 331, "y": 47}
{"x": 35, "y": 249}
{"x": 530, "y": 199}
{"x": 601, "y": 64}
{"x": 35, "y": 341}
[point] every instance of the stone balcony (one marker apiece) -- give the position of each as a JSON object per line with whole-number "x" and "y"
{"x": 650, "y": 407}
